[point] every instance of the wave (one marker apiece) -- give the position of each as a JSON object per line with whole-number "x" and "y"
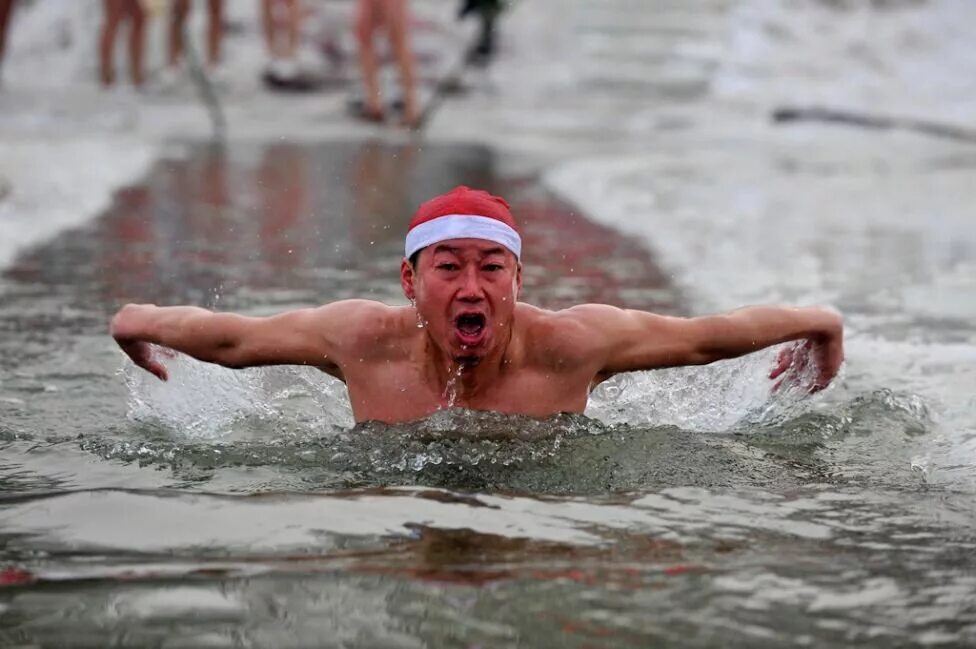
{"x": 871, "y": 437}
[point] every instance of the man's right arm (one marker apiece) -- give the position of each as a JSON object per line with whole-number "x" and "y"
{"x": 300, "y": 337}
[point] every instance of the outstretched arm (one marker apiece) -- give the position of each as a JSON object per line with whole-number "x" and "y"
{"x": 301, "y": 337}
{"x": 636, "y": 340}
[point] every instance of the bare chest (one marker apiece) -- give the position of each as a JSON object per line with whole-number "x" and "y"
{"x": 399, "y": 392}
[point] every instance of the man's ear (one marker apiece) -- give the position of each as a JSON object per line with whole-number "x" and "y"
{"x": 408, "y": 277}
{"x": 518, "y": 280}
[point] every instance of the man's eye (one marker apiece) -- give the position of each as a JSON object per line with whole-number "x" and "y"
{"x": 447, "y": 266}
{"x": 492, "y": 267}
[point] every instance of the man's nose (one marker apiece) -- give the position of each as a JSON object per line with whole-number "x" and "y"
{"x": 470, "y": 289}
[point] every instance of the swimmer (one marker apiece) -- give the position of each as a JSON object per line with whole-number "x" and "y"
{"x": 465, "y": 340}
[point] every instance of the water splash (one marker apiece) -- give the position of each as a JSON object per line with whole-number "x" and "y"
{"x": 871, "y": 436}
{"x": 205, "y": 401}
{"x": 643, "y": 429}
{"x": 719, "y": 397}
{"x": 453, "y": 386}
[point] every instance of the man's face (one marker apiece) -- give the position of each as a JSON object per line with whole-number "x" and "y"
{"x": 465, "y": 291}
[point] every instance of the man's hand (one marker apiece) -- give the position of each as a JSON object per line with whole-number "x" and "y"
{"x": 826, "y": 353}
{"x": 141, "y": 354}
{"x": 126, "y": 328}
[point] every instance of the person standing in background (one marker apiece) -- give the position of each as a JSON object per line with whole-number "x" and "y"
{"x": 6, "y": 9}
{"x": 117, "y": 12}
{"x": 179, "y": 12}
{"x": 393, "y": 17}
{"x": 282, "y": 32}
{"x": 487, "y": 11}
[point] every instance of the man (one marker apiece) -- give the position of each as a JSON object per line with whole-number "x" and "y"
{"x": 465, "y": 340}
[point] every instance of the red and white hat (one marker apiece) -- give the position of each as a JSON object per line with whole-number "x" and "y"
{"x": 463, "y": 213}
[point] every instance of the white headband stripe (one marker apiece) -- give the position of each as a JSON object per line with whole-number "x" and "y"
{"x": 462, "y": 226}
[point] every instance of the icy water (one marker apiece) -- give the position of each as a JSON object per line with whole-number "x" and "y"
{"x": 688, "y": 508}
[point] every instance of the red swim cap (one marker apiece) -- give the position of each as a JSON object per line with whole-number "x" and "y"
{"x": 463, "y": 213}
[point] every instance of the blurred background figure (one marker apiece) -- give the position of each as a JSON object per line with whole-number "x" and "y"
{"x": 487, "y": 12}
{"x": 6, "y": 9}
{"x": 180, "y": 10}
{"x": 392, "y": 16}
{"x": 282, "y": 32}
{"x": 117, "y": 12}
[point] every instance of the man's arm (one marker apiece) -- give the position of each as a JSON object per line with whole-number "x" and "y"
{"x": 301, "y": 337}
{"x": 637, "y": 340}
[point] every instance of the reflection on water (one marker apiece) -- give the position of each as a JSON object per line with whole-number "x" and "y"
{"x": 279, "y": 570}
{"x": 244, "y": 508}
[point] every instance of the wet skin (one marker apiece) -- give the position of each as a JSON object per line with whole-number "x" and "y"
{"x": 467, "y": 342}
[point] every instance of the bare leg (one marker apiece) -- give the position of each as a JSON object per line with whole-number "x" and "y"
{"x": 268, "y": 20}
{"x": 294, "y": 9}
{"x": 282, "y": 27}
{"x": 6, "y": 8}
{"x": 137, "y": 38}
{"x": 398, "y": 28}
{"x": 215, "y": 31}
{"x": 367, "y": 21}
{"x": 106, "y": 44}
{"x": 177, "y": 19}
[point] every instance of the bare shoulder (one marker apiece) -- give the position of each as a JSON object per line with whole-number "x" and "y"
{"x": 360, "y": 316}
{"x": 595, "y": 315}
{"x": 359, "y": 311}
{"x": 581, "y": 319}
{"x": 566, "y": 336}
{"x": 366, "y": 324}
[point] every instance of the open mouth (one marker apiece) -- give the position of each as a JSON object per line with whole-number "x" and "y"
{"x": 470, "y": 328}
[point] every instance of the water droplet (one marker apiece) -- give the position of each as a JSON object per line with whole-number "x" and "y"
{"x": 451, "y": 389}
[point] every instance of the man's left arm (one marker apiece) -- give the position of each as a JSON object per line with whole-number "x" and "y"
{"x": 637, "y": 340}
